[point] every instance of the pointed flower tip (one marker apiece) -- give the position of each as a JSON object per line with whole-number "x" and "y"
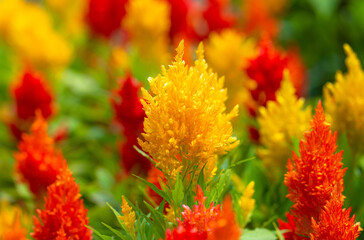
{"x": 348, "y": 50}
{"x": 200, "y": 51}
{"x": 180, "y": 51}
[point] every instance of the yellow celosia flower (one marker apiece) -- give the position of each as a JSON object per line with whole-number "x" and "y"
{"x": 41, "y": 45}
{"x": 148, "y": 23}
{"x": 119, "y": 59}
{"x": 228, "y": 53}
{"x": 344, "y": 101}
{"x": 280, "y": 121}
{"x": 7, "y": 10}
{"x": 246, "y": 202}
{"x": 128, "y": 217}
{"x": 11, "y": 226}
{"x": 170, "y": 216}
{"x": 186, "y": 125}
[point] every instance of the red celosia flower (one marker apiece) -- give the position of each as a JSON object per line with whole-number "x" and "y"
{"x": 258, "y": 19}
{"x": 200, "y": 217}
{"x": 217, "y": 15}
{"x": 30, "y": 94}
{"x": 181, "y": 24}
{"x": 335, "y": 223}
{"x": 206, "y": 223}
{"x": 105, "y": 16}
{"x": 289, "y": 226}
{"x": 130, "y": 115}
{"x": 266, "y": 70}
{"x": 315, "y": 175}
{"x": 64, "y": 216}
{"x": 38, "y": 162}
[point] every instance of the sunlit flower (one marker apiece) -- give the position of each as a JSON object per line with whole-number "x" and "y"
{"x": 281, "y": 121}
{"x": 128, "y": 217}
{"x": 105, "y": 17}
{"x": 51, "y": 48}
{"x": 11, "y": 222}
{"x": 344, "y": 101}
{"x": 130, "y": 115}
{"x": 315, "y": 175}
{"x": 186, "y": 124}
{"x": 64, "y": 215}
{"x": 236, "y": 49}
{"x": 147, "y": 22}
{"x": 38, "y": 162}
{"x": 335, "y": 223}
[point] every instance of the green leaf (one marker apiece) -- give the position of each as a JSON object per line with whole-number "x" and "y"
{"x": 103, "y": 237}
{"x": 158, "y": 221}
{"x": 118, "y": 215}
{"x": 241, "y": 161}
{"x": 117, "y": 232}
{"x": 157, "y": 190}
{"x": 177, "y": 193}
{"x": 258, "y": 234}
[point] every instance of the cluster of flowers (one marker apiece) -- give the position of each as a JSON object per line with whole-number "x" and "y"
{"x": 176, "y": 134}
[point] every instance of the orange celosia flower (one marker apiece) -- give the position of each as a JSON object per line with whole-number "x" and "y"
{"x": 38, "y": 162}
{"x": 12, "y": 222}
{"x": 315, "y": 175}
{"x": 225, "y": 224}
{"x": 335, "y": 223}
{"x": 64, "y": 216}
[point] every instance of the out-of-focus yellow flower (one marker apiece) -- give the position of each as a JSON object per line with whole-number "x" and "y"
{"x": 344, "y": 101}
{"x": 148, "y": 23}
{"x": 11, "y": 226}
{"x": 228, "y": 53}
{"x": 186, "y": 124}
{"x": 170, "y": 216}
{"x": 71, "y": 14}
{"x": 246, "y": 201}
{"x": 128, "y": 217}
{"x": 30, "y": 33}
{"x": 280, "y": 121}
{"x": 119, "y": 59}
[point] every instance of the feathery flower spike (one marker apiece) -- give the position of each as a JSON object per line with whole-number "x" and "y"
{"x": 64, "y": 215}
{"x": 313, "y": 177}
{"x": 128, "y": 217}
{"x": 280, "y": 121}
{"x": 335, "y": 223}
{"x": 186, "y": 124}
{"x": 38, "y": 161}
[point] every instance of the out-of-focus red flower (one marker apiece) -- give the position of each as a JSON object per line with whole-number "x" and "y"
{"x": 313, "y": 177}
{"x": 38, "y": 162}
{"x": 225, "y": 224}
{"x": 129, "y": 114}
{"x": 64, "y": 215}
{"x": 181, "y": 22}
{"x": 218, "y": 16}
{"x": 266, "y": 72}
{"x": 155, "y": 176}
{"x": 335, "y": 223}
{"x": 30, "y": 94}
{"x": 297, "y": 70}
{"x": 105, "y": 16}
{"x": 289, "y": 226}
{"x": 258, "y": 19}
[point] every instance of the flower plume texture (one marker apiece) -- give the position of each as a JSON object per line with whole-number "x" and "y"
{"x": 181, "y": 119}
